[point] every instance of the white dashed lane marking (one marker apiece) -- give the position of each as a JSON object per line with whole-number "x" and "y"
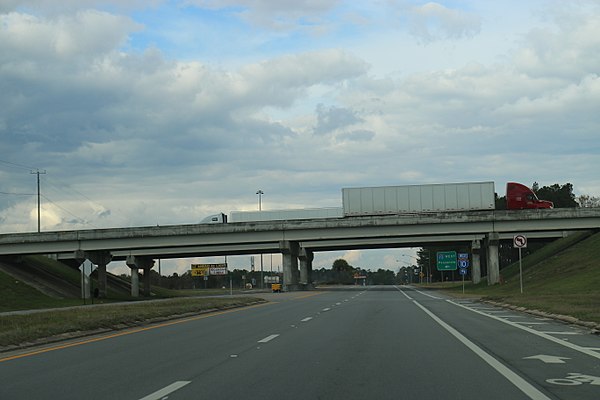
{"x": 268, "y": 338}
{"x": 166, "y": 391}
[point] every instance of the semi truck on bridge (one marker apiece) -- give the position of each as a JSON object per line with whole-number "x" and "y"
{"x": 405, "y": 199}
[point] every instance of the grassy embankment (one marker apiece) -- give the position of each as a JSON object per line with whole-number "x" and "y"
{"x": 20, "y": 329}
{"x": 561, "y": 278}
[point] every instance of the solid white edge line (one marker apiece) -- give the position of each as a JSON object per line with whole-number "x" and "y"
{"x": 530, "y": 330}
{"x": 401, "y": 291}
{"x": 268, "y": 338}
{"x": 425, "y": 294}
{"x": 509, "y": 374}
{"x": 166, "y": 390}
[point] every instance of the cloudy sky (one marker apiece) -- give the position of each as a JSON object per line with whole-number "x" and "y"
{"x": 163, "y": 112}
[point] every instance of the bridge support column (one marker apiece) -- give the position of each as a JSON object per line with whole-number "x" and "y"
{"x": 306, "y": 257}
{"x": 289, "y": 251}
{"x": 77, "y": 259}
{"x": 147, "y": 290}
{"x": 476, "y": 260}
{"x": 493, "y": 259}
{"x": 101, "y": 259}
{"x": 135, "y": 282}
{"x": 135, "y": 263}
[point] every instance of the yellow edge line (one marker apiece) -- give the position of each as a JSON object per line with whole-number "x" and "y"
{"x": 308, "y": 295}
{"x": 128, "y": 332}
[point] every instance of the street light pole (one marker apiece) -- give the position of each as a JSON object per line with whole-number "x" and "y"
{"x": 260, "y": 193}
{"x": 262, "y": 279}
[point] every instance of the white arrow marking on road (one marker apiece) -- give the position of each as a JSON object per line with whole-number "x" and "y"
{"x": 548, "y": 359}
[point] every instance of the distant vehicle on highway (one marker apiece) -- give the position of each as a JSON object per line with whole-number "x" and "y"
{"x": 215, "y": 219}
{"x": 519, "y": 197}
{"x": 405, "y": 199}
{"x": 414, "y": 199}
{"x": 276, "y": 287}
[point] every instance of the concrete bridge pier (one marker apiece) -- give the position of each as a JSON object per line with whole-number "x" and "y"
{"x": 306, "y": 258}
{"x": 493, "y": 258}
{"x": 135, "y": 281}
{"x": 137, "y": 263}
{"x": 101, "y": 259}
{"x": 476, "y": 261}
{"x": 290, "y": 251}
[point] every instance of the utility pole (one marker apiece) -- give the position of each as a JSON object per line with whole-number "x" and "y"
{"x": 38, "y": 172}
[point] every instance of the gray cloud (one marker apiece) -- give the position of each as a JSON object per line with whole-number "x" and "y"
{"x": 331, "y": 118}
{"x": 274, "y": 14}
{"x": 357, "y": 136}
{"x": 433, "y": 21}
{"x": 153, "y": 139}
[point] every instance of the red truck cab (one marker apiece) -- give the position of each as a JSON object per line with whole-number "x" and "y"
{"x": 519, "y": 197}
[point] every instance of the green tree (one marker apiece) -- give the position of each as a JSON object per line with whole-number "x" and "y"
{"x": 587, "y": 201}
{"x": 343, "y": 272}
{"x": 500, "y": 202}
{"x": 340, "y": 265}
{"x": 561, "y": 195}
{"x": 382, "y": 277}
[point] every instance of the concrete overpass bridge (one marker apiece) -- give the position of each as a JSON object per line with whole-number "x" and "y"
{"x": 298, "y": 240}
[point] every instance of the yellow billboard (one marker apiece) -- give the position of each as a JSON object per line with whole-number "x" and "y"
{"x": 200, "y": 271}
{"x": 209, "y": 269}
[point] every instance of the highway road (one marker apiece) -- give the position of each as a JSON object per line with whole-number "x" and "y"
{"x": 360, "y": 343}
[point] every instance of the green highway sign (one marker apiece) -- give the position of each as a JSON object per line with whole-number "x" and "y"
{"x": 446, "y": 260}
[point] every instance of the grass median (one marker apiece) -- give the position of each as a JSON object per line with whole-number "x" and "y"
{"x": 18, "y": 330}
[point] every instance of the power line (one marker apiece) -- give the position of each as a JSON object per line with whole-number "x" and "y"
{"x": 17, "y": 194}
{"x": 12, "y": 164}
{"x": 66, "y": 186}
{"x": 38, "y": 172}
{"x": 69, "y": 212}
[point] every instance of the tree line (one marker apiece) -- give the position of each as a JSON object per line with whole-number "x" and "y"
{"x": 340, "y": 273}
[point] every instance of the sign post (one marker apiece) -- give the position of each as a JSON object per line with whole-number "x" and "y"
{"x": 446, "y": 261}
{"x": 520, "y": 241}
{"x": 463, "y": 264}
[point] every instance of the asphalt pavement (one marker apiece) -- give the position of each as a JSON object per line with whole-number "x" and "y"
{"x": 360, "y": 343}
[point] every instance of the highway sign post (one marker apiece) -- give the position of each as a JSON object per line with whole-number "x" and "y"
{"x": 463, "y": 264}
{"x": 446, "y": 261}
{"x": 520, "y": 241}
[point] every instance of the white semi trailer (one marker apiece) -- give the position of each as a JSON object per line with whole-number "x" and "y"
{"x": 382, "y": 200}
{"x": 291, "y": 214}
{"x": 444, "y": 197}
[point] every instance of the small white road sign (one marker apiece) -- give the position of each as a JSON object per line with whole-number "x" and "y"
{"x": 520, "y": 241}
